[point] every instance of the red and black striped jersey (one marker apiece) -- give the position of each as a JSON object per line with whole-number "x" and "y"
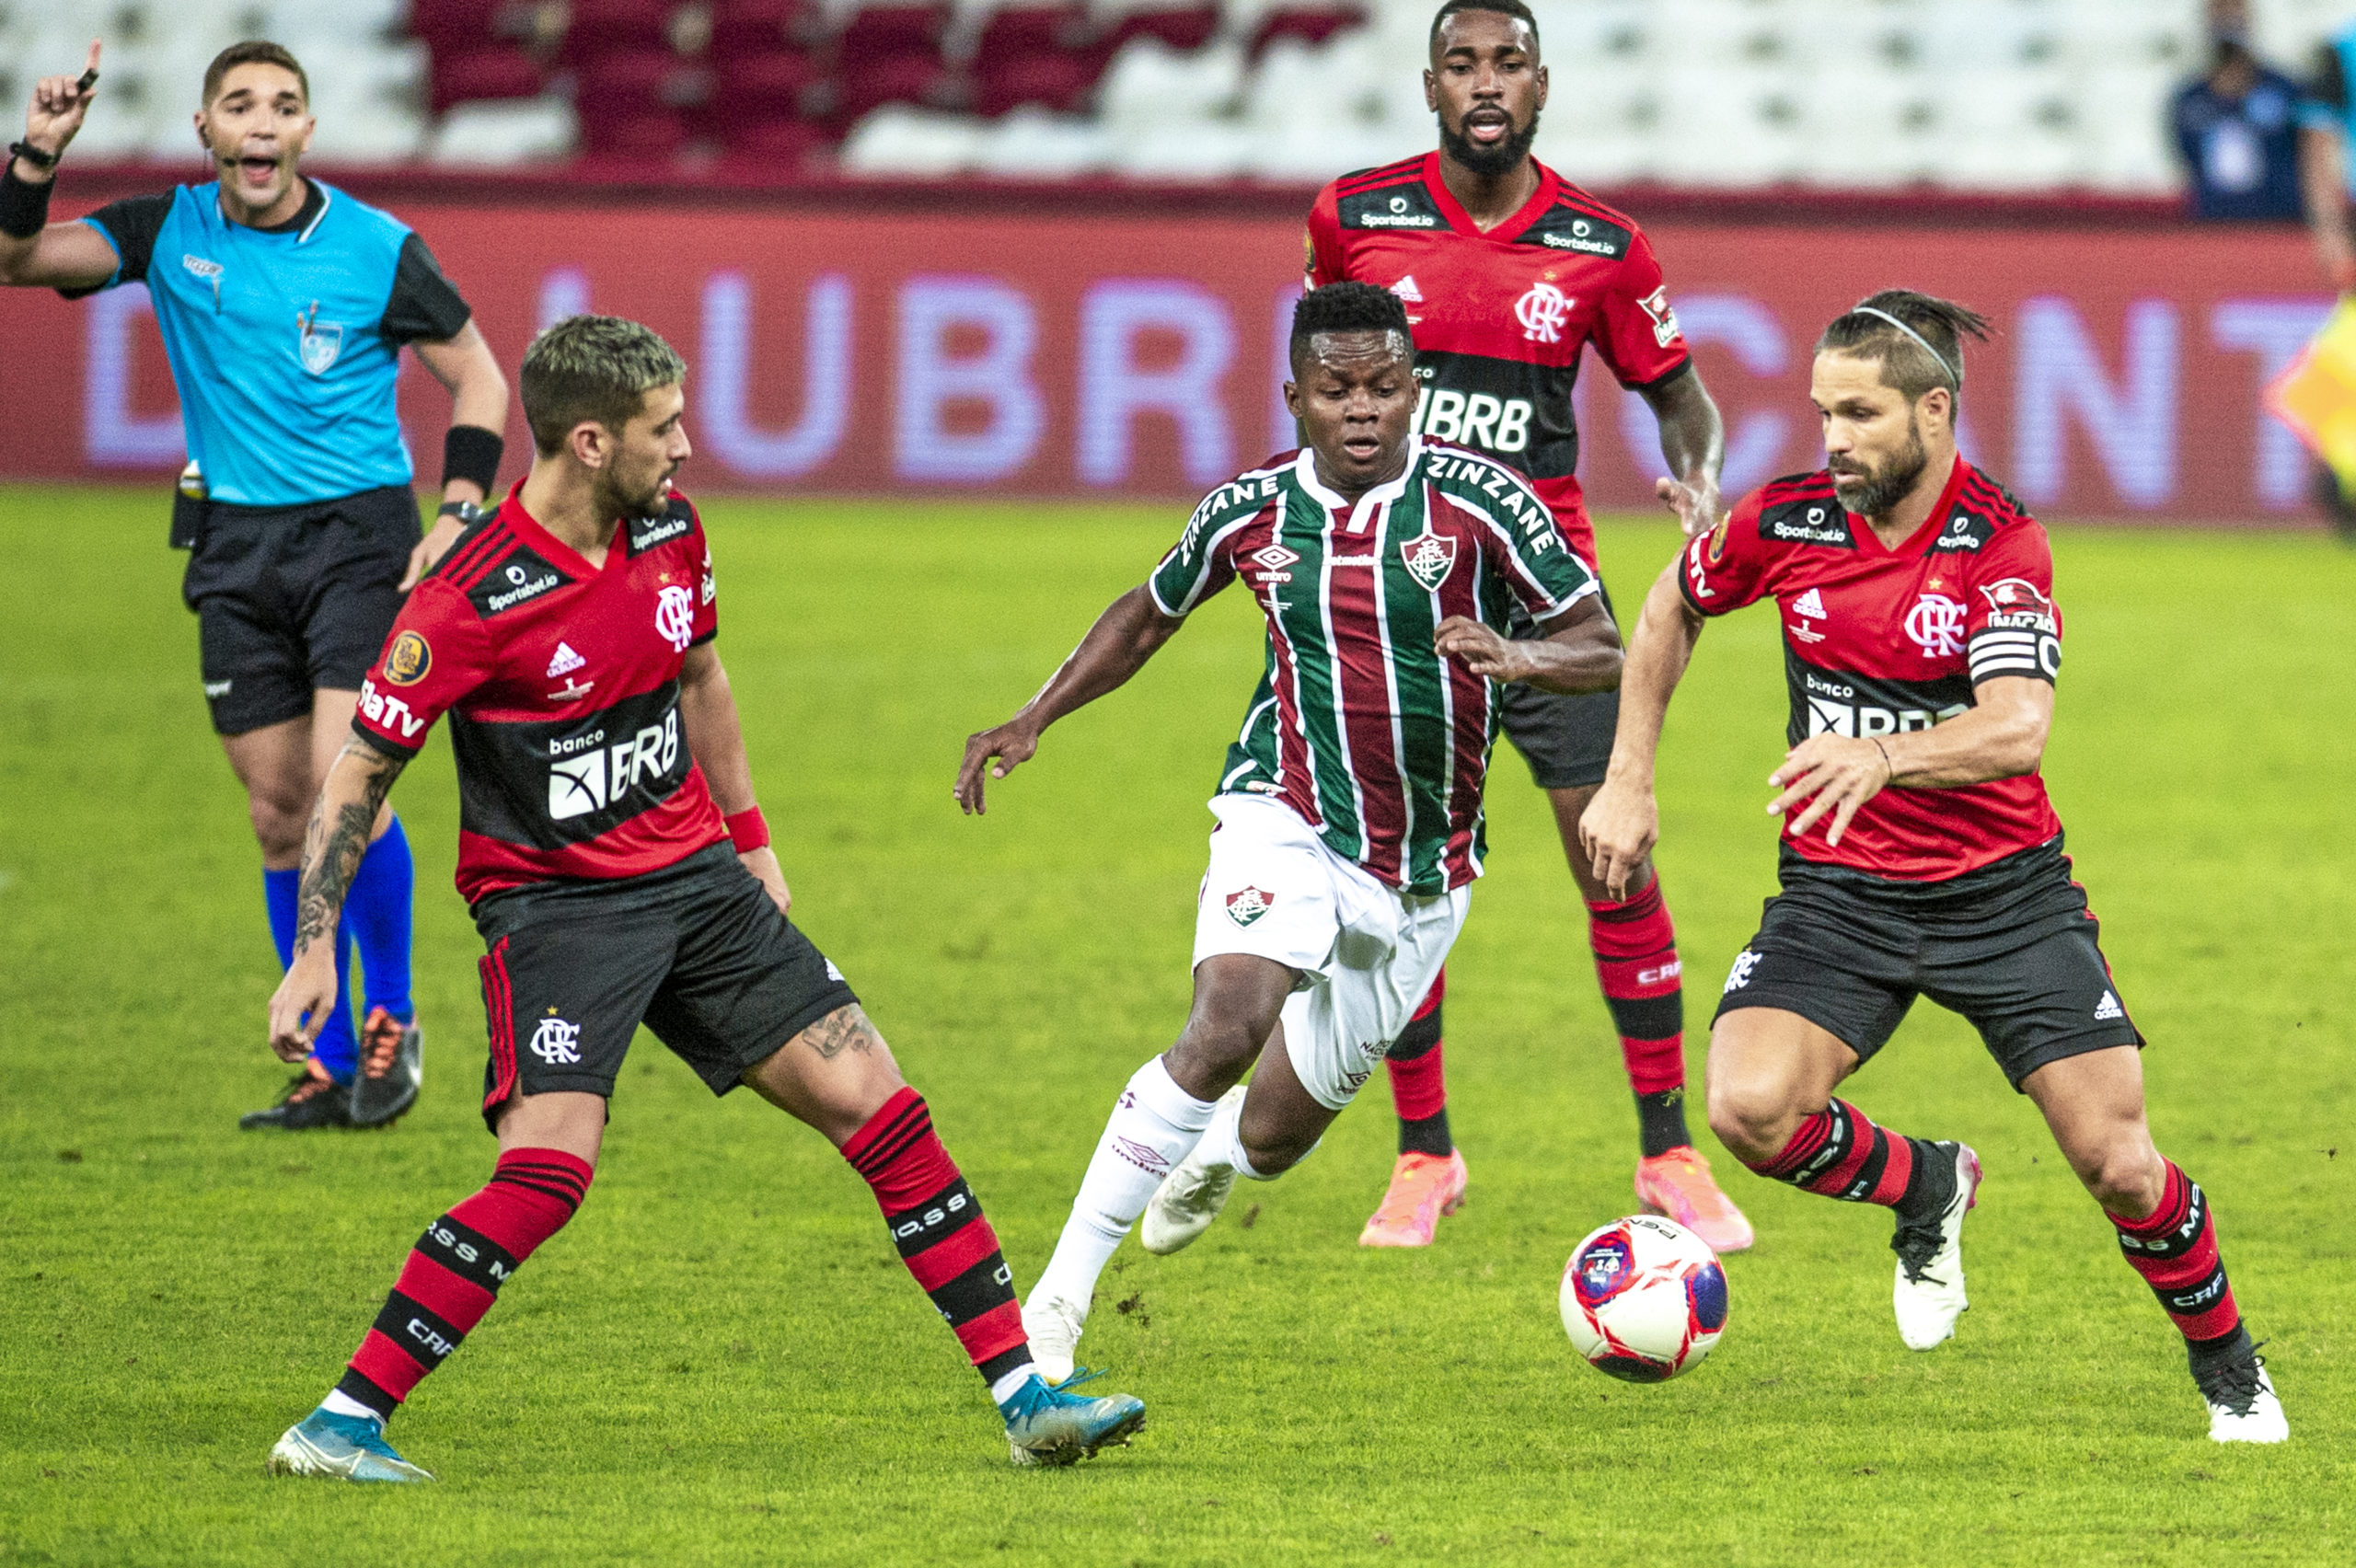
{"x": 562, "y": 680}
{"x": 1880, "y": 640}
{"x": 1500, "y": 315}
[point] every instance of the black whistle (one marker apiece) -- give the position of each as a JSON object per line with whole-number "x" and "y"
{"x": 89, "y": 79}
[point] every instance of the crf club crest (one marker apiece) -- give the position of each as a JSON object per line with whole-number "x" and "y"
{"x": 1247, "y": 906}
{"x": 1429, "y": 558}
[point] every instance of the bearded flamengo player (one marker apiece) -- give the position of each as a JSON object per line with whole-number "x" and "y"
{"x": 1349, "y": 807}
{"x": 1919, "y": 855}
{"x": 619, "y": 872}
{"x": 284, "y": 305}
{"x": 1508, "y": 270}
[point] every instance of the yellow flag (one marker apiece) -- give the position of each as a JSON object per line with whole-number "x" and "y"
{"x": 2316, "y": 396}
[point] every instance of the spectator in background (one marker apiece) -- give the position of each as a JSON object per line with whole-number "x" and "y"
{"x": 2324, "y": 125}
{"x": 2236, "y": 127}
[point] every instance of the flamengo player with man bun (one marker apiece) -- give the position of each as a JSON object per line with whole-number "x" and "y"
{"x": 1508, "y": 271}
{"x": 620, "y": 873}
{"x": 284, "y": 305}
{"x": 1919, "y": 855}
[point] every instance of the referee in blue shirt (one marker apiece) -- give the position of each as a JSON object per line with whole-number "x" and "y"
{"x": 284, "y": 305}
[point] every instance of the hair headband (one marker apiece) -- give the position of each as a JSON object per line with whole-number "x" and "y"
{"x": 1954, "y": 373}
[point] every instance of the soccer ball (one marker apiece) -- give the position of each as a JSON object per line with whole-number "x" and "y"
{"x": 1643, "y": 1299}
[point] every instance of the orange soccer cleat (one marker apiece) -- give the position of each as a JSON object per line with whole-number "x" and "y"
{"x": 1423, "y": 1188}
{"x": 1679, "y": 1185}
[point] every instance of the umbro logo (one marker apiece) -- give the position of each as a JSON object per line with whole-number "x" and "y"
{"x": 565, "y": 662}
{"x": 2108, "y": 1008}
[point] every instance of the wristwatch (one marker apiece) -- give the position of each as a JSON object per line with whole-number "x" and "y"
{"x": 465, "y": 512}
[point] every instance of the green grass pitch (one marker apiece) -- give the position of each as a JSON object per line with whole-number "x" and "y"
{"x": 721, "y": 1360}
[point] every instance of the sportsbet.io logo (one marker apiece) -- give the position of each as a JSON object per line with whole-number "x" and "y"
{"x": 1249, "y": 904}
{"x": 409, "y": 660}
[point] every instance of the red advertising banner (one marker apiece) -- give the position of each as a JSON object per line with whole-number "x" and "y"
{"x": 1061, "y": 353}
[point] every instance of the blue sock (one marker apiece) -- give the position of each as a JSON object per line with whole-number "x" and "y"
{"x": 337, "y": 1049}
{"x": 377, "y": 913}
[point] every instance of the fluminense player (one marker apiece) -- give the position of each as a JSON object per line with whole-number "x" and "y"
{"x": 284, "y": 305}
{"x": 1507, "y": 271}
{"x": 1349, "y": 807}
{"x": 1919, "y": 855}
{"x": 619, "y": 872}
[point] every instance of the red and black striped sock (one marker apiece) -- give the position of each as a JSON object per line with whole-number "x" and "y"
{"x": 1838, "y": 1153}
{"x": 2175, "y": 1248}
{"x": 1419, "y": 1080}
{"x": 1636, "y": 958}
{"x": 938, "y": 1224}
{"x": 456, "y": 1270}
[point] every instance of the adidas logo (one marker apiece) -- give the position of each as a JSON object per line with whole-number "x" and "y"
{"x": 1405, "y": 289}
{"x": 565, "y": 662}
{"x": 1809, "y": 603}
{"x": 2109, "y": 1008}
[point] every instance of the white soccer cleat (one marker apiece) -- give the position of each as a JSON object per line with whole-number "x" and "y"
{"x": 1052, "y": 1325}
{"x": 2241, "y": 1406}
{"x": 1928, "y": 1295}
{"x": 1189, "y": 1197}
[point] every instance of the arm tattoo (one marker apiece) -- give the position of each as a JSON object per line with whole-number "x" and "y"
{"x": 332, "y": 848}
{"x": 846, "y": 1026}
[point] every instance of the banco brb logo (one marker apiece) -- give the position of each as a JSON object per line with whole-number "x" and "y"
{"x": 1542, "y": 312}
{"x": 1935, "y": 623}
{"x": 675, "y": 617}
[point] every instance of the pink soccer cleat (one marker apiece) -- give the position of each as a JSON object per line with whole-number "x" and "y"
{"x": 1423, "y": 1188}
{"x": 1679, "y": 1185}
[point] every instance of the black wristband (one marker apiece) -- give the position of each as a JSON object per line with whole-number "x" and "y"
{"x": 472, "y": 453}
{"x": 24, "y": 206}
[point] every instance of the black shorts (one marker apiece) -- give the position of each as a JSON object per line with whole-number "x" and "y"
{"x": 2011, "y": 945}
{"x": 1566, "y": 740}
{"x": 295, "y": 599}
{"x": 696, "y": 951}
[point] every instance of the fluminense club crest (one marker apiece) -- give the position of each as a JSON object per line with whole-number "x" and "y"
{"x": 1429, "y": 558}
{"x": 1248, "y": 904}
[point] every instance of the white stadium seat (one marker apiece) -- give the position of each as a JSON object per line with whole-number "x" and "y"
{"x": 503, "y": 134}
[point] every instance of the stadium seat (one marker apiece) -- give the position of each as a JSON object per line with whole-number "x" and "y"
{"x": 752, "y": 27}
{"x": 777, "y": 81}
{"x": 1150, "y": 86}
{"x": 495, "y": 71}
{"x": 773, "y": 148}
{"x": 903, "y": 141}
{"x": 1308, "y": 24}
{"x": 890, "y": 53}
{"x": 1029, "y": 143}
{"x": 1034, "y": 54}
{"x": 505, "y": 134}
{"x": 1174, "y": 23}
{"x": 597, "y": 27}
{"x": 1178, "y": 151}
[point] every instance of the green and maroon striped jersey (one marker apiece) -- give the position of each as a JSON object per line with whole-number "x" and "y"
{"x": 1360, "y": 724}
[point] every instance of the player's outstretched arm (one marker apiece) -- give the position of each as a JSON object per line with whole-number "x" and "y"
{"x": 1578, "y": 651}
{"x": 34, "y": 253}
{"x": 715, "y": 738}
{"x": 1130, "y": 631}
{"x": 1693, "y": 443}
{"x": 342, "y": 820}
{"x": 478, "y": 387}
{"x": 2002, "y": 735}
{"x": 1622, "y": 823}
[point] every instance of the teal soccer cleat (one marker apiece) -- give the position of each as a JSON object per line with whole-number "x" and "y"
{"x": 348, "y": 1448}
{"x": 1044, "y": 1425}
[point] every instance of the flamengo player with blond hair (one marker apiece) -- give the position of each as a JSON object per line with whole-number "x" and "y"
{"x": 620, "y": 873}
{"x": 1508, "y": 272}
{"x": 1920, "y": 854}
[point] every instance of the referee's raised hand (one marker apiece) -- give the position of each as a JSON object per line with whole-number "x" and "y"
{"x": 59, "y": 106}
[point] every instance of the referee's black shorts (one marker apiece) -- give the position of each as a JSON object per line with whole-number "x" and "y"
{"x": 696, "y": 951}
{"x": 2011, "y": 945}
{"x": 1566, "y": 741}
{"x": 295, "y": 599}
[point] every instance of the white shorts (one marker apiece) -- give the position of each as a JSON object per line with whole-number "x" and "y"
{"x": 1367, "y": 952}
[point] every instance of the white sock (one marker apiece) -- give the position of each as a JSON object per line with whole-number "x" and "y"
{"x": 1162, "y": 1123}
{"x": 1223, "y": 1142}
{"x": 1006, "y": 1388}
{"x": 338, "y": 1403}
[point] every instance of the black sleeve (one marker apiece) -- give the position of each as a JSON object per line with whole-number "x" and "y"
{"x": 424, "y": 304}
{"x": 133, "y": 223}
{"x": 2330, "y": 86}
